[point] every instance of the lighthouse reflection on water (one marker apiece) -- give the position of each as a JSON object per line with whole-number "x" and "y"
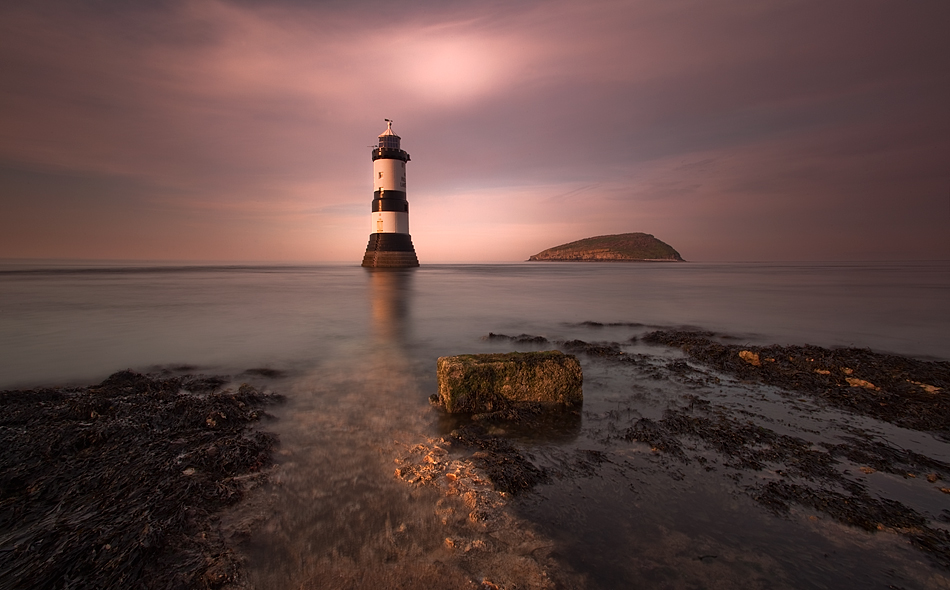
{"x": 390, "y": 293}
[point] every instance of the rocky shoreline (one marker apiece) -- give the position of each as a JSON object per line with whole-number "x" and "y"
{"x": 119, "y": 485}
{"x": 784, "y": 473}
{"x": 122, "y": 484}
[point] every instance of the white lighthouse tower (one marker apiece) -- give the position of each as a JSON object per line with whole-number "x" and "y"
{"x": 390, "y": 245}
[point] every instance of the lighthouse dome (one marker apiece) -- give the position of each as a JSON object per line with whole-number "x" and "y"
{"x": 388, "y": 139}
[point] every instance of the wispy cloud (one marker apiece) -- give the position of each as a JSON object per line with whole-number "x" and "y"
{"x": 729, "y": 129}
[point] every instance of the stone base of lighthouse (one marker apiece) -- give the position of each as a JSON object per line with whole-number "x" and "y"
{"x": 390, "y": 250}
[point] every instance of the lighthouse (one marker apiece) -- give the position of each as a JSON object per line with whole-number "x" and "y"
{"x": 390, "y": 245}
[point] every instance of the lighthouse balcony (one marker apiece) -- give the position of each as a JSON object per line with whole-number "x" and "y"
{"x": 384, "y": 153}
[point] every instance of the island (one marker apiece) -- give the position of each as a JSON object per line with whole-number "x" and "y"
{"x": 636, "y": 246}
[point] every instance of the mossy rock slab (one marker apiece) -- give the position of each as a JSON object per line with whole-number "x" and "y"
{"x": 479, "y": 383}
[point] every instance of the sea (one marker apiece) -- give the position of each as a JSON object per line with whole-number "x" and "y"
{"x": 355, "y": 353}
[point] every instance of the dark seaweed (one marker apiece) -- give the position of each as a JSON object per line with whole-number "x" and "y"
{"x": 116, "y": 485}
{"x": 520, "y": 339}
{"x": 507, "y": 468}
{"x": 908, "y": 392}
{"x": 894, "y": 391}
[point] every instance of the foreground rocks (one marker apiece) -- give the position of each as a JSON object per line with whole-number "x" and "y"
{"x": 117, "y": 485}
{"x": 480, "y": 383}
{"x": 903, "y": 391}
{"x": 782, "y": 470}
{"x": 477, "y": 474}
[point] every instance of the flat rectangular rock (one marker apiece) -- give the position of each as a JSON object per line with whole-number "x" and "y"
{"x": 480, "y": 383}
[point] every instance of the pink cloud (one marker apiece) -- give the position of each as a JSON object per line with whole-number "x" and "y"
{"x": 720, "y": 126}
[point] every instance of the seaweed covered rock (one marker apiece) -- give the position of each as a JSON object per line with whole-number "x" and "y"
{"x": 908, "y": 392}
{"x": 479, "y": 383}
{"x": 117, "y": 485}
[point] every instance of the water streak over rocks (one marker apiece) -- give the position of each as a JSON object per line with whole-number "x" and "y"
{"x": 484, "y": 472}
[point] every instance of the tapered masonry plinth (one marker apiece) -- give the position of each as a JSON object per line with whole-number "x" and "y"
{"x": 390, "y": 251}
{"x": 390, "y": 245}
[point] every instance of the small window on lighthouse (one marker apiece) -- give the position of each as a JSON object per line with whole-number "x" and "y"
{"x": 380, "y": 174}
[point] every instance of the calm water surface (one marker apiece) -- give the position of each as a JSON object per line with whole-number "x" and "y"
{"x": 357, "y": 350}
{"x": 80, "y": 323}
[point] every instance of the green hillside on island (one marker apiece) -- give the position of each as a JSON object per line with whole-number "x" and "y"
{"x": 619, "y": 247}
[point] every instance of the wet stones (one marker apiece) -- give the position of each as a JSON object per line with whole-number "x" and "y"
{"x": 481, "y": 383}
{"x": 839, "y": 477}
{"x": 750, "y": 357}
{"x": 795, "y": 471}
{"x": 904, "y": 391}
{"x": 430, "y": 464}
{"x": 117, "y": 485}
{"x": 520, "y": 339}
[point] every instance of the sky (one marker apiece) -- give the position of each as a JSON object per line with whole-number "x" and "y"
{"x": 734, "y": 130}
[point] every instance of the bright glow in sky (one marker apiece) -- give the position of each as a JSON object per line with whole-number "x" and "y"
{"x": 240, "y": 130}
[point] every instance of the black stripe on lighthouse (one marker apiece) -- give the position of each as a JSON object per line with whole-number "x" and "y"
{"x": 391, "y": 243}
{"x": 390, "y": 205}
{"x": 384, "y": 193}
